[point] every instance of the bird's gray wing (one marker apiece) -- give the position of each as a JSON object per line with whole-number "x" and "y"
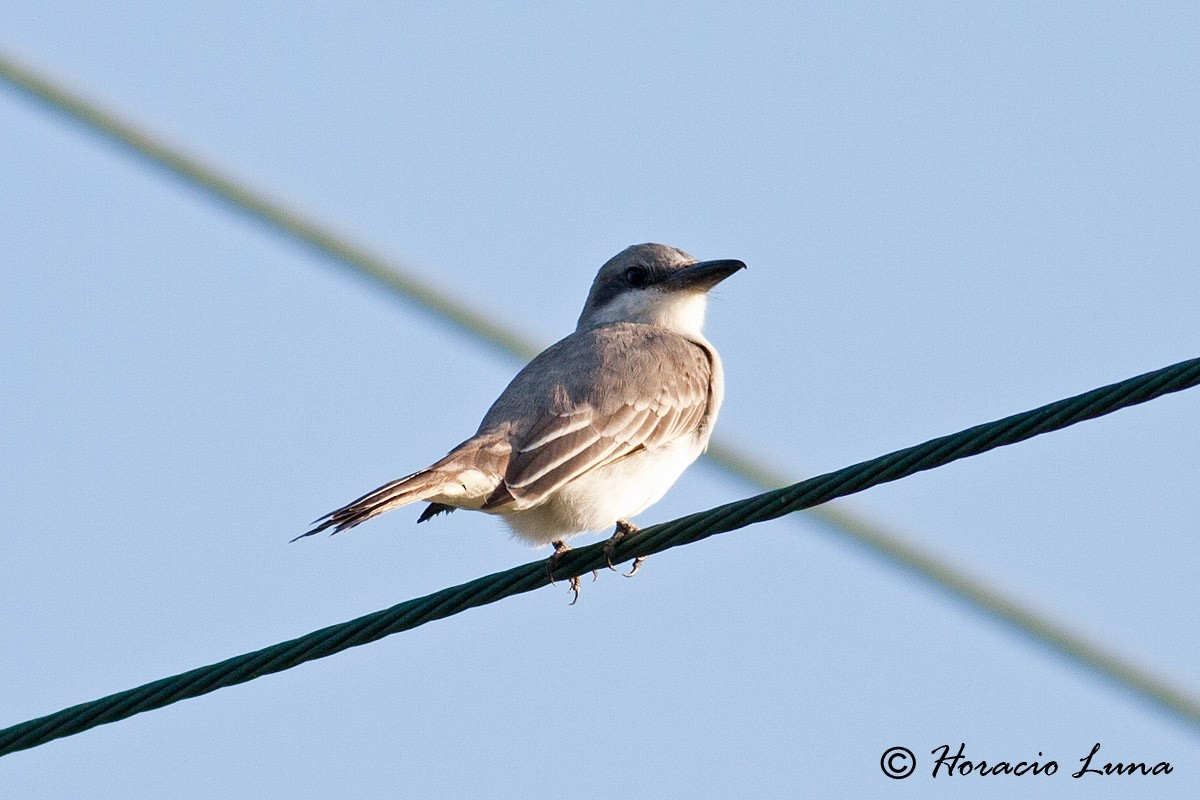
{"x": 596, "y": 397}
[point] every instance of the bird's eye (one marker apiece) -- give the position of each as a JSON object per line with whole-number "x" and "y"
{"x": 636, "y": 277}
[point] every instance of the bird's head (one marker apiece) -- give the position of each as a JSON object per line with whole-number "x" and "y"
{"x": 655, "y": 285}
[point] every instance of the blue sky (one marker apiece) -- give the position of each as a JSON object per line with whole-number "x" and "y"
{"x": 949, "y": 214}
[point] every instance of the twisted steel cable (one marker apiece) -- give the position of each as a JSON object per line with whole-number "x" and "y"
{"x": 654, "y": 539}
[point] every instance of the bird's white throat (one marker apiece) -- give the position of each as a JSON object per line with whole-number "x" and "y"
{"x": 682, "y": 312}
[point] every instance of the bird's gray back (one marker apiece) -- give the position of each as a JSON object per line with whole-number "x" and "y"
{"x": 606, "y": 368}
{"x": 596, "y": 397}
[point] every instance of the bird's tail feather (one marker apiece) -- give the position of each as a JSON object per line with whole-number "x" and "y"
{"x": 479, "y": 455}
{"x": 400, "y": 492}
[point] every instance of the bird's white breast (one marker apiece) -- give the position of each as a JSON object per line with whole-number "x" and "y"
{"x": 597, "y": 499}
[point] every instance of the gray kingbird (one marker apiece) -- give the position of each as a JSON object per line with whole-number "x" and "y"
{"x": 598, "y": 426}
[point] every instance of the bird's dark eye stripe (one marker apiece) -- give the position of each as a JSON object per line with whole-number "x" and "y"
{"x": 635, "y": 277}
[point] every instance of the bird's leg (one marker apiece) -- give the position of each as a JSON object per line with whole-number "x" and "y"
{"x": 624, "y": 528}
{"x": 561, "y": 547}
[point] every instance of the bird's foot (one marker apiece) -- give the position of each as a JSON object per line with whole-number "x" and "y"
{"x": 624, "y": 528}
{"x": 561, "y": 547}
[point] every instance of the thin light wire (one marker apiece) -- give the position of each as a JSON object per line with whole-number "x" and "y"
{"x": 655, "y": 539}
{"x": 361, "y": 262}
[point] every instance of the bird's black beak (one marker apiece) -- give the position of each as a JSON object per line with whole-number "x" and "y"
{"x": 703, "y": 275}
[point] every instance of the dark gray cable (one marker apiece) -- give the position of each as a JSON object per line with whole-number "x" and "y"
{"x": 654, "y": 539}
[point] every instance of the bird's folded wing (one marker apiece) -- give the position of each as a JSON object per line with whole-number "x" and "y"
{"x": 625, "y": 391}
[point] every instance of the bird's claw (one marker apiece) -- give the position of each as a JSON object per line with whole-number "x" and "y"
{"x": 624, "y": 528}
{"x": 561, "y": 547}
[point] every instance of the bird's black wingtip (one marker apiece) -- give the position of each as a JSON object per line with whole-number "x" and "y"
{"x": 432, "y": 510}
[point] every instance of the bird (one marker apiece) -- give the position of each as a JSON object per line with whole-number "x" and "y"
{"x": 598, "y": 426}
